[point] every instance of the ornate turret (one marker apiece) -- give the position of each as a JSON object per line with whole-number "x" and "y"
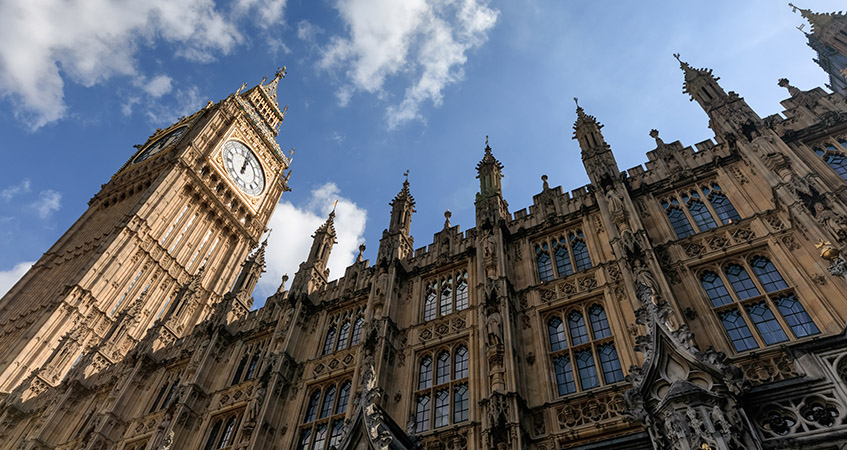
{"x": 490, "y": 205}
{"x": 397, "y": 241}
{"x": 701, "y": 85}
{"x": 597, "y": 156}
{"x": 251, "y": 270}
{"x": 829, "y": 39}
{"x": 313, "y": 273}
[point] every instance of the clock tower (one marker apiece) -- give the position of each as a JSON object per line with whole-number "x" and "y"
{"x": 183, "y": 212}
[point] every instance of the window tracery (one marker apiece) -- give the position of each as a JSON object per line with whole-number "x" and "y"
{"x": 344, "y": 330}
{"x": 592, "y": 352}
{"x": 835, "y": 157}
{"x": 223, "y": 430}
{"x": 568, "y": 251}
{"x": 701, "y": 206}
{"x": 166, "y": 391}
{"x": 248, "y": 365}
{"x": 444, "y": 399}
{"x": 323, "y": 420}
{"x": 740, "y": 300}
{"x": 445, "y": 295}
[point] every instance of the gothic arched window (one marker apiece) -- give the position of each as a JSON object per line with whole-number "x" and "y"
{"x": 576, "y": 325}
{"x": 357, "y": 331}
{"x": 563, "y": 260}
{"x": 835, "y": 158}
{"x": 699, "y": 212}
{"x": 330, "y": 340}
{"x": 323, "y": 429}
{"x": 742, "y": 305}
{"x": 446, "y": 400}
{"x": 679, "y": 221}
{"x": 440, "y": 297}
{"x": 213, "y": 435}
{"x": 721, "y": 204}
{"x": 556, "y": 330}
{"x": 343, "y": 335}
{"x": 580, "y": 251}
{"x": 589, "y": 359}
{"x": 715, "y": 289}
{"x": 545, "y": 266}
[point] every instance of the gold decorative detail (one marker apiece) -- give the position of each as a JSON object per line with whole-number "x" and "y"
{"x": 828, "y": 251}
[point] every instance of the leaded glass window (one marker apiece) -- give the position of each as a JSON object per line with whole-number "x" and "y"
{"x": 715, "y": 289}
{"x": 766, "y": 323}
{"x": 322, "y": 427}
{"x": 357, "y": 331}
{"x": 767, "y": 274}
{"x": 330, "y": 340}
{"x": 440, "y": 297}
{"x": 741, "y": 282}
{"x": 445, "y": 400}
{"x": 572, "y": 355}
{"x": 721, "y": 204}
{"x": 738, "y": 331}
{"x": 545, "y": 267}
{"x": 796, "y": 316}
{"x": 343, "y": 335}
{"x": 563, "y": 261}
{"x": 569, "y": 255}
{"x": 679, "y": 222}
{"x": 701, "y": 215}
{"x": 835, "y": 158}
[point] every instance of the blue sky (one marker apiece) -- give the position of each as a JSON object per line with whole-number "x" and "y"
{"x": 374, "y": 87}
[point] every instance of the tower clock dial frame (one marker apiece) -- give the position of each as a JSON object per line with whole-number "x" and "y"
{"x": 243, "y": 167}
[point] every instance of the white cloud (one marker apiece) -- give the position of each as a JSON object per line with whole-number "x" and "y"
{"x": 158, "y": 86}
{"x": 45, "y": 43}
{"x": 293, "y": 226}
{"x": 306, "y": 31}
{"x": 48, "y": 202}
{"x": 269, "y": 11}
{"x": 424, "y": 40}
{"x": 184, "y": 102}
{"x": 8, "y": 278}
{"x": 12, "y": 191}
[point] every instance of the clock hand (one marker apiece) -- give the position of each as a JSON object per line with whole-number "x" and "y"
{"x": 244, "y": 166}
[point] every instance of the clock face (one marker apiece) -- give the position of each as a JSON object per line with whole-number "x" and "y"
{"x": 244, "y": 168}
{"x": 161, "y": 144}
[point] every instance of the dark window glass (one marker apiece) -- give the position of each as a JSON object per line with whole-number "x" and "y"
{"x": 556, "y": 330}
{"x": 357, "y": 331}
{"x": 442, "y": 368}
{"x": 227, "y": 435}
{"x": 738, "y": 332}
{"x": 425, "y": 373}
{"x": 576, "y": 324}
{"x": 460, "y": 403}
{"x": 155, "y": 405}
{"x": 587, "y": 369}
{"x": 763, "y": 318}
{"x": 580, "y": 255}
{"x": 329, "y": 399}
{"x": 343, "y": 335}
{"x": 442, "y": 408}
{"x": 429, "y": 306}
{"x": 460, "y": 364}
{"x": 726, "y": 212}
{"x": 741, "y": 282}
{"x": 446, "y": 298}
{"x": 254, "y": 363}
{"x": 545, "y": 267}
{"x": 330, "y": 340}
{"x": 838, "y": 164}
{"x": 796, "y": 316}
{"x": 320, "y": 437}
{"x": 213, "y": 435}
{"x": 343, "y": 398}
{"x": 312, "y": 409}
{"x": 768, "y": 275}
{"x": 715, "y": 289}
{"x": 336, "y": 432}
{"x": 563, "y": 261}
{"x": 680, "y": 223}
{"x": 240, "y": 369}
{"x": 608, "y": 356}
{"x": 564, "y": 375}
{"x": 422, "y": 413}
{"x": 304, "y": 439}
{"x": 701, "y": 215}
{"x": 599, "y": 323}
{"x": 462, "y": 293}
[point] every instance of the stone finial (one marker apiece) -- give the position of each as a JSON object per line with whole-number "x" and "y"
{"x": 361, "y": 257}
{"x": 545, "y": 185}
{"x": 447, "y": 215}
{"x": 792, "y": 91}
{"x": 654, "y": 133}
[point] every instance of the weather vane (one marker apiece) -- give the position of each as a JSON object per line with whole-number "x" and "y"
{"x": 406, "y": 174}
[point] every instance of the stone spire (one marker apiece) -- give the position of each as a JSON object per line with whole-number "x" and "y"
{"x": 323, "y": 239}
{"x": 251, "y": 271}
{"x": 396, "y": 240}
{"x": 818, "y": 20}
{"x": 600, "y": 163}
{"x": 701, "y": 85}
{"x": 490, "y": 206}
{"x": 402, "y": 208}
{"x": 313, "y": 273}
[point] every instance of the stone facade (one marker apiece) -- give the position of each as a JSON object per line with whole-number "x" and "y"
{"x": 695, "y": 303}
